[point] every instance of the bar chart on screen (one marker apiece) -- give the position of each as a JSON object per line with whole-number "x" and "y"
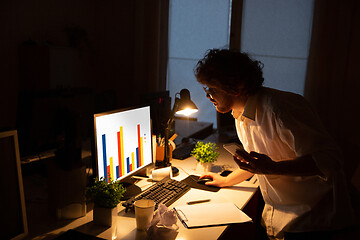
{"x": 122, "y": 144}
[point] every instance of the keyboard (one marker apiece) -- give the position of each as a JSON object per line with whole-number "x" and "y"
{"x": 183, "y": 151}
{"x": 165, "y": 191}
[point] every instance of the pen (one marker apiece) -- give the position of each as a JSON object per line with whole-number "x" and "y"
{"x": 198, "y": 201}
{"x": 173, "y": 137}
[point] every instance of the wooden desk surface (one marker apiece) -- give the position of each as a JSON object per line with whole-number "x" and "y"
{"x": 124, "y": 226}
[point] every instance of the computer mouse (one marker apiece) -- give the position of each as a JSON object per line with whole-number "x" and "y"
{"x": 204, "y": 180}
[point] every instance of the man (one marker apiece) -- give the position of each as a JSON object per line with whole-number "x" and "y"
{"x": 298, "y": 166}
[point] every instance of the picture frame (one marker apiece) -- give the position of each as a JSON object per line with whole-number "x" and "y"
{"x": 12, "y": 203}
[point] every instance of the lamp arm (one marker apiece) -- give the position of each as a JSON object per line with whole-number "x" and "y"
{"x": 167, "y": 130}
{"x": 172, "y": 115}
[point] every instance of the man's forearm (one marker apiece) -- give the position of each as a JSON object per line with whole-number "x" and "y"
{"x": 237, "y": 176}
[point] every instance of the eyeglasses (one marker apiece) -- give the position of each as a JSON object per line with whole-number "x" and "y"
{"x": 209, "y": 91}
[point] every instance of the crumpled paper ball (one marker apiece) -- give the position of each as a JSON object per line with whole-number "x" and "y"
{"x": 164, "y": 224}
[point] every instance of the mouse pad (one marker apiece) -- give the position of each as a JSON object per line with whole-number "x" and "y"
{"x": 192, "y": 182}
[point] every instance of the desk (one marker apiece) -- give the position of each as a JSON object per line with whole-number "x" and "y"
{"x": 124, "y": 226}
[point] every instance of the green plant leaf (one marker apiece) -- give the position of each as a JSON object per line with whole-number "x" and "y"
{"x": 205, "y": 152}
{"x": 104, "y": 194}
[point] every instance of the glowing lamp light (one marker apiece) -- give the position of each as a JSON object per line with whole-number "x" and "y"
{"x": 187, "y": 112}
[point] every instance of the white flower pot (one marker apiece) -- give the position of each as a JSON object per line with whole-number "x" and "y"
{"x": 202, "y": 168}
{"x": 104, "y": 216}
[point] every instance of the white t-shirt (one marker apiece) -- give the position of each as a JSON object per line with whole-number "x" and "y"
{"x": 283, "y": 126}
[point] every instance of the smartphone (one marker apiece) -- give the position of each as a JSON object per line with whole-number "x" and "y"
{"x": 225, "y": 173}
{"x": 232, "y": 147}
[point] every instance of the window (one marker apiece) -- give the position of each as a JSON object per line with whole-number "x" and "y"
{"x": 276, "y": 32}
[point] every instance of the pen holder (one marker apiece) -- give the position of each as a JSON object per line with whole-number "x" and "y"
{"x": 160, "y": 152}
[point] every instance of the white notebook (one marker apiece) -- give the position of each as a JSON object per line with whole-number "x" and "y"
{"x": 210, "y": 214}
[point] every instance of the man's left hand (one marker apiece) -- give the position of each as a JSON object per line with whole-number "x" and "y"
{"x": 255, "y": 162}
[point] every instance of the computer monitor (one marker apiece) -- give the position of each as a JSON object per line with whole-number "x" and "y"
{"x": 123, "y": 144}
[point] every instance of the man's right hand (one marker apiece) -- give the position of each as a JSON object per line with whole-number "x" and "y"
{"x": 218, "y": 180}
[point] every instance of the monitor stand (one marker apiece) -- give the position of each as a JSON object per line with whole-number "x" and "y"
{"x": 131, "y": 189}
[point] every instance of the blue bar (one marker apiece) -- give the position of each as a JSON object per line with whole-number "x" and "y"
{"x": 117, "y": 172}
{"x": 137, "y": 158}
{"x": 104, "y": 155}
{"x": 128, "y": 164}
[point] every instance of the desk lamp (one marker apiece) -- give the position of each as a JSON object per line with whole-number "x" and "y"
{"x": 182, "y": 106}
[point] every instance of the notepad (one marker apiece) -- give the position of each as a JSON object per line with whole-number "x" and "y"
{"x": 210, "y": 214}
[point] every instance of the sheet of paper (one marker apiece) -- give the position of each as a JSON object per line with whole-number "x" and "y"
{"x": 210, "y": 214}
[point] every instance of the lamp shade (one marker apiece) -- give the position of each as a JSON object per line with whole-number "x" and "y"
{"x": 185, "y": 105}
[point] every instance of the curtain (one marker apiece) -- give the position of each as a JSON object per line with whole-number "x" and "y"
{"x": 151, "y": 44}
{"x": 332, "y": 83}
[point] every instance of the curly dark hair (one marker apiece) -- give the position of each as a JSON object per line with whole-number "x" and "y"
{"x": 228, "y": 70}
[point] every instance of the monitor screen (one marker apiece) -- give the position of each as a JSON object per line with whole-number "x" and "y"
{"x": 122, "y": 142}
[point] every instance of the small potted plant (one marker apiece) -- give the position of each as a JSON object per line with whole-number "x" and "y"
{"x": 106, "y": 196}
{"x": 205, "y": 154}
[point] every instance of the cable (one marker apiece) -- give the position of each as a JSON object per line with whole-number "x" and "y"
{"x": 184, "y": 171}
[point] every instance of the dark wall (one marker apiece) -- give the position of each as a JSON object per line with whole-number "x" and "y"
{"x": 66, "y": 44}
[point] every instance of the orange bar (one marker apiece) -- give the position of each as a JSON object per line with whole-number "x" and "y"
{"x": 122, "y": 152}
{"x": 120, "y": 157}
